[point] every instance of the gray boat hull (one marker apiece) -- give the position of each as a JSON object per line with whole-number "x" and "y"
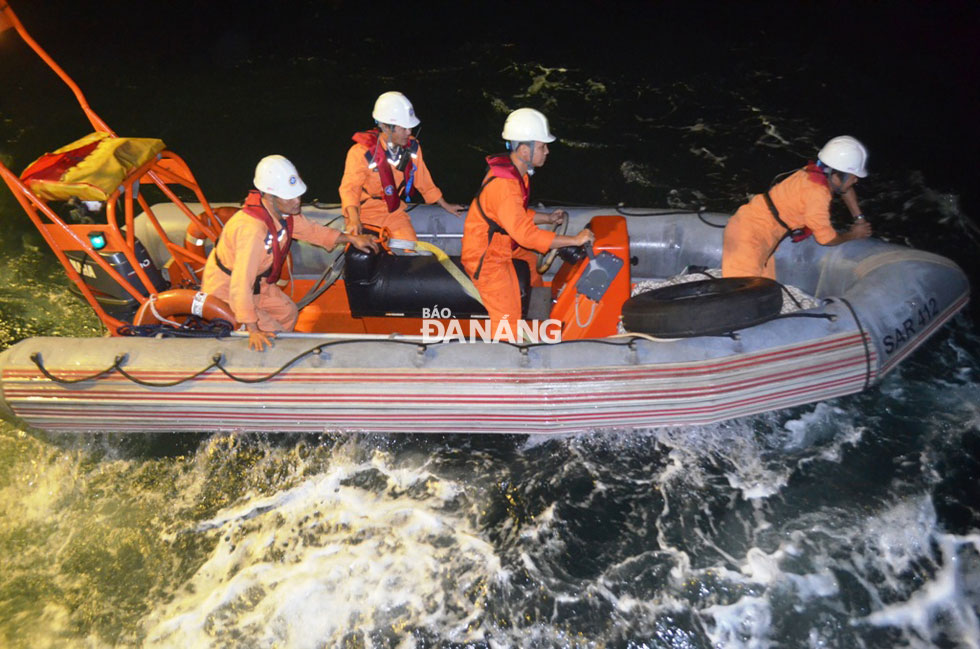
{"x": 878, "y": 303}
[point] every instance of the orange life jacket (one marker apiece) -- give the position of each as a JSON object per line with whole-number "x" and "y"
{"x": 814, "y": 174}
{"x": 278, "y": 244}
{"x": 498, "y": 166}
{"x": 377, "y": 158}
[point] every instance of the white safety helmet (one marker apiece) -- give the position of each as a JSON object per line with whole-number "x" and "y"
{"x": 844, "y": 153}
{"x": 278, "y": 176}
{"x": 527, "y": 125}
{"x": 395, "y": 108}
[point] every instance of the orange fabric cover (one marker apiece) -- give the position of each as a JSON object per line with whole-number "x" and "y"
{"x": 503, "y": 202}
{"x": 242, "y": 249}
{"x": 752, "y": 233}
{"x": 90, "y": 168}
{"x": 362, "y": 186}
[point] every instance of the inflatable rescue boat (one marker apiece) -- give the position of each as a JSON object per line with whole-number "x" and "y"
{"x": 397, "y": 341}
{"x": 377, "y": 371}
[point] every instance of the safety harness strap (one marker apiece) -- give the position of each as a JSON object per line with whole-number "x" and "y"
{"x": 796, "y": 235}
{"x": 498, "y": 166}
{"x": 492, "y": 227}
{"x": 256, "y": 286}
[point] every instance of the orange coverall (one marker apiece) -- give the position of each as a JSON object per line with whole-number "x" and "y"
{"x": 753, "y": 233}
{"x": 503, "y": 202}
{"x": 362, "y": 186}
{"x": 243, "y": 247}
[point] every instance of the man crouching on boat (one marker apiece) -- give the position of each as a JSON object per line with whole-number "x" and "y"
{"x": 797, "y": 207}
{"x": 499, "y": 220}
{"x": 247, "y": 261}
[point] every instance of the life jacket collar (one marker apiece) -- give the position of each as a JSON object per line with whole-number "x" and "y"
{"x": 818, "y": 172}
{"x": 381, "y": 158}
{"x": 501, "y": 166}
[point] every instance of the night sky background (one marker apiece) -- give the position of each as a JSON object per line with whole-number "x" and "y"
{"x": 902, "y": 74}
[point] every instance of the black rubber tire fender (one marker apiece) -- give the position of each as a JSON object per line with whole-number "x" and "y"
{"x": 703, "y": 308}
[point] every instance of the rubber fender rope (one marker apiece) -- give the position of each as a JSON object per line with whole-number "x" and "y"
{"x": 268, "y": 377}
{"x": 699, "y": 212}
{"x": 709, "y": 223}
{"x": 166, "y": 384}
{"x": 217, "y": 359}
{"x": 117, "y": 367}
{"x": 864, "y": 339}
{"x": 821, "y": 316}
{"x": 621, "y": 209}
{"x": 36, "y": 358}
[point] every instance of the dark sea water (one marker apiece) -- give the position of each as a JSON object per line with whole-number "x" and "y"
{"x": 850, "y": 523}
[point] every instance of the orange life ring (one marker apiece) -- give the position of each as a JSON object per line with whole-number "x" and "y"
{"x": 183, "y": 302}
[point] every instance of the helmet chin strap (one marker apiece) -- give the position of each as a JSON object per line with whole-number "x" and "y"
{"x": 529, "y": 166}
{"x": 274, "y": 204}
{"x": 528, "y": 162}
{"x": 394, "y": 151}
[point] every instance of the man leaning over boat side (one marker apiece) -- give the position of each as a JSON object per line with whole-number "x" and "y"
{"x": 248, "y": 259}
{"x": 382, "y": 167}
{"x": 797, "y": 207}
{"x": 499, "y": 220}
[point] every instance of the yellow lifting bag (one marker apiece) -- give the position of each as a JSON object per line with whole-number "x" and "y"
{"x": 90, "y": 168}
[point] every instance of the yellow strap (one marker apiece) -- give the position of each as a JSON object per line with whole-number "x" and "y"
{"x": 453, "y": 269}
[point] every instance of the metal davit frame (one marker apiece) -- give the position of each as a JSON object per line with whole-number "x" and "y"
{"x": 164, "y": 170}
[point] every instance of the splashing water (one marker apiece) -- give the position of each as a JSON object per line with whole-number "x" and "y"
{"x": 851, "y": 523}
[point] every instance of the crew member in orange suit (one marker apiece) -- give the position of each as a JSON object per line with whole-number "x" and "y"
{"x": 797, "y": 207}
{"x": 382, "y": 168}
{"x": 499, "y": 221}
{"x": 247, "y": 261}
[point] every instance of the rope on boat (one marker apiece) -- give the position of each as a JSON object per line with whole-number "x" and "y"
{"x": 117, "y": 367}
{"x": 790, "y": 295}
{"x": 217, "y": 361}
{"x": 707, "y": 222}
{"x": 595, "y": 307}
{"x": 821, "y": 316}
{"x": 156, "y": 314}
{"x": 36, "y": 358}
{"x": 268, "y": 377}
{"x": 864, "y": 339}
{"x": 622, "y": 208}
{"x": 193, "y": 327}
